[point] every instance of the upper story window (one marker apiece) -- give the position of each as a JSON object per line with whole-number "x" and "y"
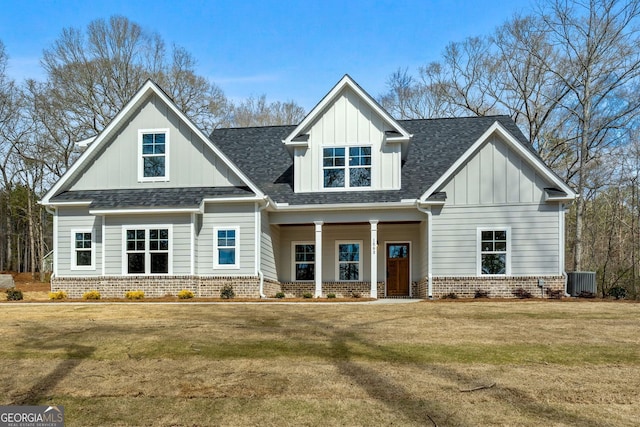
{"x": 153, "y": 162}
{"x": 338, "y": 172}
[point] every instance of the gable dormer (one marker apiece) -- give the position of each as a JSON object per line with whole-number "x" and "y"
{"x": 348, "y": 142}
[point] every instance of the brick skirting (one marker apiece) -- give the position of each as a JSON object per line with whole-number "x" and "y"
{"x": 340, "y": 289}
{"x": 497, "y": 287}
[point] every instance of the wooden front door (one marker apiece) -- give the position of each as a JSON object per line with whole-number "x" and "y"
{"x": 398, "y": 269}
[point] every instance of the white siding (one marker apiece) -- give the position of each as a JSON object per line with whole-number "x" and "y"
{"x": 348, "y": 121}
{"x": 495, "y": 175}
{"x": 535, "y": 234}
{"x": 232, "y": 215}
{"x": 76, "y": 218}
{"x": 191, "y": 162}
{"x": 181, "y": 239}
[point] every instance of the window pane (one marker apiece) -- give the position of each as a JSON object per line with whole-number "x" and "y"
{"x": 153, "y": 245}
{"x": 83, "y": 258}
{"x": 494, "y": 264}
{"x": 501, "y": 246}
{"x": 164, "y": 233}
{"x": 159, "y": 138}
{"x": 154, "y": 166}
{"x": 487, "y": 235}
{"x": 349, "y": 252}
{"x": 139, "y": 234}
{"x": 153, "y": 234}
{"x": 487, "y": 246}
{"x": 349, "y": 271}
{"x": 333, "y": 178}
{"x": 159, "y": 263}
{"x": 501, "y": 235}
{"x": 305, "y": 271}
{"x": 226, "y": 256}
{"x": 135, "y": 263}
{"x": 360, "y": 177}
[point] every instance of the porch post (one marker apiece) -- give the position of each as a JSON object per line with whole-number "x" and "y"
{"x": 374, "y": 258}
{"x": 318, "y": 258}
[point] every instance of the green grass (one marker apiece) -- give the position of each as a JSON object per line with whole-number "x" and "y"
{"x": 552, "y": 363}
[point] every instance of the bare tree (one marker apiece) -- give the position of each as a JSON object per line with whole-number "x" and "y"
{"x": 257, "y": 112}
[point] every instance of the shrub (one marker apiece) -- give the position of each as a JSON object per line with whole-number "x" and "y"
{"x": 185, "y": 294}
{"x": 14, "y": 294}
{"x": 618, "y": 292}
{"x": 586, "y": 294}
{"x": 93, "y": 295}
{"x": 227, "y": 292}
{"x": 521, "y": 293}
{"x": 481, "y": 294}
{"x": 307, "y": 295}
{"x": 331, "y": 295}
{"x": 450, "y": 295}
{"x": 355, "y": 294}
{"x": 134, "y": 295}
{"x": 554, "y": 293}
{"x": 280, "y": 295}
{"x": 57, "y": 295}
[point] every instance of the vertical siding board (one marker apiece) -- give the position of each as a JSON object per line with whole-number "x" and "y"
{"x": 500, "y": 153}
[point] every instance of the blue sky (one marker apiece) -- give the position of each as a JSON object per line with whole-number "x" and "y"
{"x": 288, "y": 50}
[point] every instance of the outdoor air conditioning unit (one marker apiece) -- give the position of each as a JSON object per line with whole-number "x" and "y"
{"x": 581, "y": 281}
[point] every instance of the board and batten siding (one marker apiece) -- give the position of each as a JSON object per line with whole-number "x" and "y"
{"x": 241, "y": 215}
{"x": 181, "y": 239}
{"x": 77, "y": 218}
{"x": 348, "y": 121}
{"x": 495, "y": 175}
{"x": 191, "y": 161}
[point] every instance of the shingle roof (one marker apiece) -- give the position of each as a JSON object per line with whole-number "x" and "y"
{"x": 190, "y": 197}
{"x": 435, "y": 146}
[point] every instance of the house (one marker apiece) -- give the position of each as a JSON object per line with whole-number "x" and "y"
{"x": 349, "y": 201}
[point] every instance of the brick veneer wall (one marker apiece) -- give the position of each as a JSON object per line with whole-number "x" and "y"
{"x": 340, "y": 289}
{"x": 156, "y": 286}
{"x": 497, "y": 287}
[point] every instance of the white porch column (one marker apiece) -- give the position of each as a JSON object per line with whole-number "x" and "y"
{"x": 374, "y": 258}
{"x": 318, "y": 258}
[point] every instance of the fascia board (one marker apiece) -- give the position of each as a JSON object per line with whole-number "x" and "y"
{"x": 100, "y": 212}
{"x": 346, "y": 81}
{"x": 513, "y": 143}
{"x": 74, "y": 203}
{"x": 344, "y": 206}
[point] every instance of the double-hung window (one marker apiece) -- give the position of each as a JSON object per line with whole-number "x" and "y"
{"x": 83, "y": 253}
{"x": 346, "y": 167}
{"x": 226, "y": 243}
{"x": 147, "y": 250}
{"x": 304, "y": 261}
{"x": 153, "y": 162}
{"x": 493, "y": 253}
{"x": 348, "y": 260}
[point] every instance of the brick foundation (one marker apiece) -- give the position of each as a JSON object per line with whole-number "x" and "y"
{"x": 497, "y": 287}
{"x": 340, "y": 289}
{"x": 156, "y": 286}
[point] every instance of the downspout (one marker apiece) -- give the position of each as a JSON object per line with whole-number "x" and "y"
{"x": 259, "y": 247}
{"x": 427, "y": 211}
{"x": 54, "y": 265}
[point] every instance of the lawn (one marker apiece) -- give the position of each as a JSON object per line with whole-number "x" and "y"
{"x": 520, "y": 363}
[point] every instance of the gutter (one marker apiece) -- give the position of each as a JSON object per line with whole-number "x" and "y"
{"x": 427, "y": 211}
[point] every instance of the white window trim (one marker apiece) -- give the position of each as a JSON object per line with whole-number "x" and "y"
{"x": 346, "y": 168}
{"x": 293, "y": 260}
{"x": 337, "y": 258}
{"x": 479, "y": 251}
{"x": 74, "y": 259}
{"x": 147, "y": 252}
{"x": 216, "y": 260}
{"x": 141, "y": 177}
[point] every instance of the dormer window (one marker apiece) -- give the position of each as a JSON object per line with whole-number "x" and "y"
{"x": 340, "y": 173}
{"x": 153, "y": 158}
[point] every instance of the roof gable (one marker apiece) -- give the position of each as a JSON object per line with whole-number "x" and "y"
{"x": 299, "y": 136}
{"x": 149, "y": 90}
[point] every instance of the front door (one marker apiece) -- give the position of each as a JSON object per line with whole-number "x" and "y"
{"x": 398, "y": 269}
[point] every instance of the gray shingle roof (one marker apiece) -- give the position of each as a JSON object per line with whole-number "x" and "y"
{"x": 435, "y": 146}
{"x": 150, "y": 197}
